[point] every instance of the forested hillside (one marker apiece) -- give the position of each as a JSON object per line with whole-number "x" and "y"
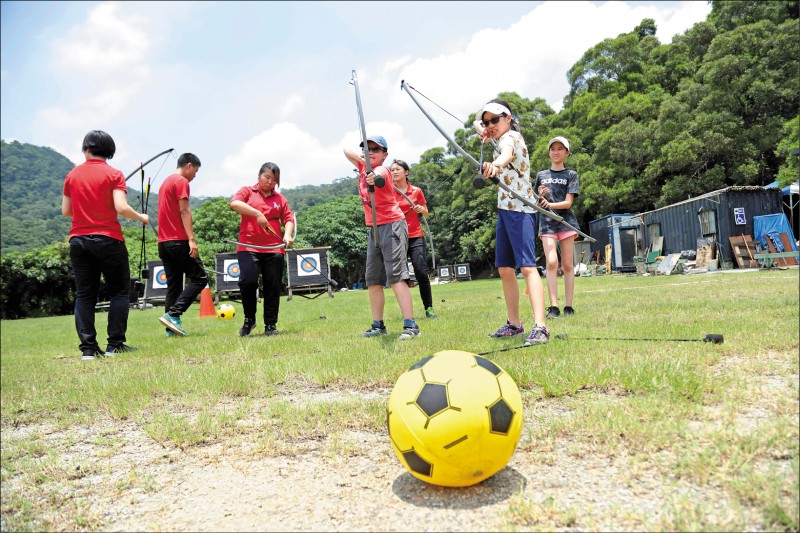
{"x": 31, "y": 183}
{"x": 30, "y": 192}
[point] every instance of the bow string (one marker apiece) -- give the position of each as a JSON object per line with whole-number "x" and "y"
{"x": 404, "y": 86}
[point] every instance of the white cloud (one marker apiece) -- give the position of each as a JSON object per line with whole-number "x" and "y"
{"x": 294, "y": 102}
{"x": 99, "y": 67}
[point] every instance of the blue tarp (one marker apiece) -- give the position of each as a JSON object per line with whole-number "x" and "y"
{"x": 792, "y": 188}
{"x": 772, "y": 224}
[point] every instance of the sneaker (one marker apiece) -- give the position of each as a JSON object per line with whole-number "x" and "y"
{"x": 553, "y": 312}
{"x": 430, "y": 314}
{"x": 91, "y": 354}
{"x": 173, "y": 323}
{"x": 568, "y": 311}
{"x": 539, "y": 335}
{"x": 270, "y": 329}
{"x": 247, "y": 327}
{"x": 375, "y": 331}
{"x": 508, "y": 330}
{"x": 111, "y": 351}
{"x": 409, "y": 332}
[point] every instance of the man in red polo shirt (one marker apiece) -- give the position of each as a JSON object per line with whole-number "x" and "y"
{"x": 177, "y": 247}
{"x": 94, "y": 194}
{"x": 387, "y": 262}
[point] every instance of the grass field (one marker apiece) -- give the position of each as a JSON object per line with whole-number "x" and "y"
{"x": 694, "y": 400}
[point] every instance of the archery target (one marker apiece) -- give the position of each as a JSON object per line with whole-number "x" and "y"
{"x": 308, "y": 265}
{"x": 411, "y": 269}
{"x": 159, "y": 277}
{"x": 231, "y": 270}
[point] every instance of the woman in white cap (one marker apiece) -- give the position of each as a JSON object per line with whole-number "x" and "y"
{"x": 558, "y": 188}
{"x": 515, "y": 233}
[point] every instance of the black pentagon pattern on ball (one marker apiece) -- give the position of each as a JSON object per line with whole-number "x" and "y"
{"x": 501, "y": 416}
{"x": 432, "y": 399}
{"x": 488, "y": 365}
{"x": 417, "y": 463}
{"x": 420, "y": 363}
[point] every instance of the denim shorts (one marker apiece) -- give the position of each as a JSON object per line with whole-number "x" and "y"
{"x": 515, "y": 238}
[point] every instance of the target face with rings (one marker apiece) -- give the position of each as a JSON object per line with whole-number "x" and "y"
{"x": 231, "y": 269}
{"x": 308, "y": 265}
{"x": 159, "y": 278}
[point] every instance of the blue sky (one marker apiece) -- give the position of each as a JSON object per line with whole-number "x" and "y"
{"x": 242, "y": 83}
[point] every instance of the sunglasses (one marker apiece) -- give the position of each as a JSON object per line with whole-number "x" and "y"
{"x": 494, "y": 120}
{"x": 375, "y": 149}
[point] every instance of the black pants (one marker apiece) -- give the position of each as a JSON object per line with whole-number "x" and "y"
{"x": 177, "y": 262}
{"x": 416, "y": 251}
{"x": 91, "y": 257}
{"x": 270, "y": 266}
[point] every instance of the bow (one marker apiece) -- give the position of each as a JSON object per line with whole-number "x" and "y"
{"x": 525, "y": 201}
{"x": 430, "y": 235}
{"x": 368, "y": 165}
{"x": 145, "y": 200}
{"x": 283, "y": 245}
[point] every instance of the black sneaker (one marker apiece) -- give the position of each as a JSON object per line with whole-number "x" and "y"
{"x": 270, "y": 329}
{"x": 568, "y": 311}
{"x": 247, "y": 327}
{"x": 91, "y": 354}
{"x": 111, "y": 351}
{"x": 553, "y": 312}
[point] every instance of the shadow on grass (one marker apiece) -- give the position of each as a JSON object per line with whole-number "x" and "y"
{"x": 496, "y": 489}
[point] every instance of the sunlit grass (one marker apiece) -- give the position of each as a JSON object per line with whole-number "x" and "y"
{"x": 725, "y": 414}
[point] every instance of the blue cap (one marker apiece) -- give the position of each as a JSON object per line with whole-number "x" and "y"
{"x": 377, "y": 139}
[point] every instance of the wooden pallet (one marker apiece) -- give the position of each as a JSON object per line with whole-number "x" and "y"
{"x": 743, "y": 249}
{"x": 787, "y": 247}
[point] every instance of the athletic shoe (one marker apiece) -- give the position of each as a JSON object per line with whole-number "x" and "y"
{"x": 508, "y": 330}
{"x": 568, "y": 311}
{"x": 430, "y": 314}
{"x": 539, "y": 335}
{"x": 111, "y": 351}
{"x": 91, "y": 354}
{"x": 375, "y": 331}
{"x": 173, "y": 323}
{"x": 553, "y": 312}
{"x": 409, "y": 332}
{"x": 247, "y": 327}
{"x": 270, "y": 329}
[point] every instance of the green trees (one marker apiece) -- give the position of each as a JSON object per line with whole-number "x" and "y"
{"x": 649, "y": 124}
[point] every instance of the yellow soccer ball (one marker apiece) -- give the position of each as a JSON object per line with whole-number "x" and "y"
{"x": 226, "y": 312}
{"x": 455, "y": 419}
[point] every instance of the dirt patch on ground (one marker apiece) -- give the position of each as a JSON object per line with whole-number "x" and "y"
{"x": 113, "y": 476}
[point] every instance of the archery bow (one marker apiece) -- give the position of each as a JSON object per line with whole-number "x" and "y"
{"x": 142, "y": 165}
{"x": 283, "y": 245}
{"x": 367, "y": 163}
{"x": 404, "y": 86}
{"x": 145, "y": 198}
{"x": 430, "y": 235}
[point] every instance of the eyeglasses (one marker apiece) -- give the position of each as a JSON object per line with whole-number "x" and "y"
{"x": 375, "y": 149}
{"x": 494, "y": 120}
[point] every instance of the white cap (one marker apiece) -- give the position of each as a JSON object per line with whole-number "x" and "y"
{"x": 495, "y": 109}
{"x": 562, "y": 140}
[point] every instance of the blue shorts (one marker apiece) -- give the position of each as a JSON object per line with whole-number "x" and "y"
{"x": 515, "y": 237}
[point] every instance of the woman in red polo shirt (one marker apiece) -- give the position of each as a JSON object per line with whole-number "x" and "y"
{"x": 94, "y": 194}
{"x": 264, "y": 210}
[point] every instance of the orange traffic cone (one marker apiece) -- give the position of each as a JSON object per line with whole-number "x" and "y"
{"x": 206, "y": 303}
